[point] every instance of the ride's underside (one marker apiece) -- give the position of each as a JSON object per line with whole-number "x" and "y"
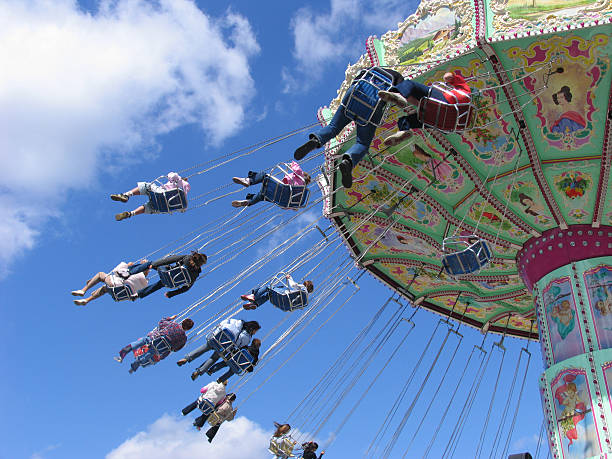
{"x": 538, "y": 156}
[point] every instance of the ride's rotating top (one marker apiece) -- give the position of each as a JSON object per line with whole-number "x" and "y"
{"x": 536, "y": 155}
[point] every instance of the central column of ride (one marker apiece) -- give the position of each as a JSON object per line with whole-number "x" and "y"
{"x": 570, "y": 275}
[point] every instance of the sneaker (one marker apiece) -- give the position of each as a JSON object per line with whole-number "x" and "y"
{"x": 394, "y": 98}
{"x": 397, "y": 138}
{"x": 120, "y": 197}
{"x": 78, "y": 293}
{"x": 247, "y": 297}
{"x": 303, "y": 150}
{"x": 122, "y": 216}
{"x": 242, "y": 181}
{"x": 249, "y": 306}
{"x": 194, "y": 375}
{"x": 346, "y": 169}
{"x": 80, "y": 302}
{"x": 118, "y": 359}
{"x": 242, "y": 203}
{"x": 181, "y": 362}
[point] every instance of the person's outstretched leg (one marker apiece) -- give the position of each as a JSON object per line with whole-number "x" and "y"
{"x": 150, "y": 289}
{"x": 210, "y": 433}
{"x": 216, "y": 367}
{"x": 205, "y": 366}
{"x": 142, "y": 267}
{"x": 124, "y": 197}
{"x": 194, "y": 354}
{"x": 100, "y": 277}
{"x": 199, "y": 421}
{"x": 225, "y": 376}
{"x": 325, "y": 134}
{"x": 96, "y": 294}
{"x": 189, "y": 408}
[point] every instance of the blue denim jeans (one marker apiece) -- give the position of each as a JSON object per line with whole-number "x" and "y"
{"x": 410, "y": 88}
{"x": 145, "y": 358}
{"x": 198, "y": 352}
{"x": 139, "y": 267}
{"x": 261, "y": 294}
{"x": 365, "y": 134}
{"x": 225, "y": 376}
{"x": 255, "y": 178}
{"x": 150, "y": 289}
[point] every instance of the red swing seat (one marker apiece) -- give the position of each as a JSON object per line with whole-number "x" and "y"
{"x": 443, "y": 115}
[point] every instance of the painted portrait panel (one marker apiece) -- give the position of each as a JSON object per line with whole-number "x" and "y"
{"x": 562, "y": 319}
{"x": 575, "y": 421}
{"x": 598, "y": 282}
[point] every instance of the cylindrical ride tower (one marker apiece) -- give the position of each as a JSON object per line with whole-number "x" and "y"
{"x": 570, "y": 274}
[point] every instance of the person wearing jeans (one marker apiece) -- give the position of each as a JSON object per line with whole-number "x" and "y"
{"x": 364, "y": 134}
{"x": 261, "y": 294}
{"x": 242, "y": 330}
{"x": 296, "y": 177}
{"x": 167, "y": 329}
{"x": 253, "y": 349}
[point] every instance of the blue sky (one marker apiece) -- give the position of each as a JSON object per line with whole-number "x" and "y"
{"x": 100, "y": 95}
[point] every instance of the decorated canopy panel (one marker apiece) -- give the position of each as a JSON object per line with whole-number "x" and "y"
{"x": 536, "y": 157}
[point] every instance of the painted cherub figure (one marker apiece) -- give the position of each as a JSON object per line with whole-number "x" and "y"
{"x": 563, "y": 315}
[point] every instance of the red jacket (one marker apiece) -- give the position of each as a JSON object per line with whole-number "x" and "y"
{"x": 462, "y": 95}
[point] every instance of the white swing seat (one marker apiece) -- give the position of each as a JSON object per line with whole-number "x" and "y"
{"x": 465, "y": 255}
{"x": 445, "y": 116}
{"x": 160, "y": 347}
{"x": 363, "y": 104}
{"x": 174, "y": 276}
{"x": 284, "y": 300}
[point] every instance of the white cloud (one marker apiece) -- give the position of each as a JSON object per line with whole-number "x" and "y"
{"x": 83, "y": 92}
{"x": 178, "y": 439}
{"x": 41, "y": 454}
{"x": 338, "y": 34}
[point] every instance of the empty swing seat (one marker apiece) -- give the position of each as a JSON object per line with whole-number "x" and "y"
{"x": 284, "y": 195}
{"x": 222, "y": 340}
{"x": 445, "y": 116}
{"x": 174, "y": 276}
{"x": 469, "y": 260}
{"x": 205, "y": 406}
{"x": 121, "y": 292}
{"x": 363, "y": 103}
{"x": 167, "y": 201}
{"x": 239, "y": 361}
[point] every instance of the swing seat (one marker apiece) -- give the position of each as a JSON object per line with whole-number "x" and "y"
{"x": 474, "y": 256}
{"x": 363, "y": 104}
{"x": 284, "y": 195}
{"x": 206, "y": 407}
{"x": 289, "y": 301}
{"x": 222, "y": 340}
{"x": 282, "y": 446}
{"x": 443, "y": 115}
{"x": 174, "y": 276}
{"x": 162, "y": 346}
{"x": 167, "y": 201}
{"x": 214, "y": 419}
{"x": 239, "y": 361}
{"x": 121, "y": 292}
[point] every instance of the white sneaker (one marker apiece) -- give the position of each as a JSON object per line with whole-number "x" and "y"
{"x": 243, "y": 203}
{"x": 242, "y": 181}
{"x": 80, "y": 302}
{"x": 397, "y": 138}
{"x": 78, "y": 293}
